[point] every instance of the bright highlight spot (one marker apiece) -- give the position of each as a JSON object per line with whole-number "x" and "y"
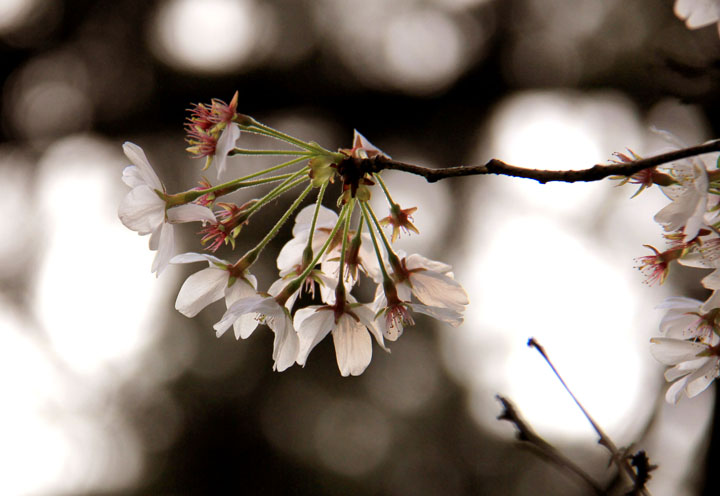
{"x": 423, "y": 50}
{"x": 94, "y": 288}
{"x": 541, "y": 270}
{"x": 14, "y": 12}
{"x": 61, "y": 429}
{"x": 90, "y": 324}
{"x": 216, "y": 36}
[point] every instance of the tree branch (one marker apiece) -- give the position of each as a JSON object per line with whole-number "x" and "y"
{"x": 543, "y": 448}
{"x": 495, "y": 166}
{"x": 617, "y": 456}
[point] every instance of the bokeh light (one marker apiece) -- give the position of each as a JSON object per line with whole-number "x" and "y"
{"x": 213, "y": 36}
{"x": 93, "y": 302}
{"x": 402, "y": 45}
{"x": 13, "y": 13}
{"x": 540, "y": 271}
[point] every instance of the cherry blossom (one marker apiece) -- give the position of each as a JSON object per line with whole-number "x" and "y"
{"x": 694, "y": 365}
{"x": 393, "y": 316}
{"x": 290, "y": 257}
{"x": 291, "y": 254}
{"x": 211, "y": 284}
{"x": 686, "y": 319}
{"x": 689, "y": 201}
{"x": 429, "y": 281}
{"x": 144, "y": 210}
{"x": 362, "y": 148}
{"x": 351, "y": 329}
{"x": 212, "y": 133}
{"x": 276, "y": 316}
{"x": 400, "y": 219}
{"x": 698, "y": 13}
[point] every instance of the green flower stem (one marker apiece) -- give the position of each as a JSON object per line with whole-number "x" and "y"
{"x": 392, "y": 257}
{"x": 250, "y": 257}
{"x": 346, "y": 229}
{"x": 308, "y": 252}
{"x": 273, "y": 168}
{"x": 278, "y": 190}
{"x": 366, "y": 215}
{"x": 384, "y": 188}
{"x": 230, "y": 186}
{"x": 243, "y": 151}
{"x": 259, "y": 128}
{"x": 357, "y": 239}
{"x": 298, "y": 280}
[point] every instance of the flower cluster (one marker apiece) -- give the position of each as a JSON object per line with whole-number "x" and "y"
{"x": 332, "y": 251}
{"x": 690, "y": 328}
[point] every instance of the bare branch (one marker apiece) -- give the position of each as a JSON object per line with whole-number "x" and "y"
{"x": 542, "y": 447}
{"x": 618, "y": 457}
{"x": 495, "y": 166}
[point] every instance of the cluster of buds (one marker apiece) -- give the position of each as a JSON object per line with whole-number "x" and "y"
{"x": 690, "y": 341}
{"x": 332, "y": 250}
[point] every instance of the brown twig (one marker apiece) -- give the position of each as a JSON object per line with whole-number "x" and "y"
{"x": 542, "y": 447}
{"x": 495, "y": 166}
{"x": 617, "y": 456}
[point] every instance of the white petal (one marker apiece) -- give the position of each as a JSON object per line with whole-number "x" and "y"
{"x": 675, "y": 392}
{"x": 679, "y": 302}
{"x": 190, "y": 212}
{"x": 416, "y": 261}
{"x": 225, "y": 144}
{"x": 253, "y": 304}
{"x": 391, "y": 329}
{"x": 290, "y": 255}
{"x": 698, "y": 381}
{"x": 242, "y": 288}
{"x": 303, "y": 220}
{"x": 367, "y": 148}
{"x": 673, "y": 351}
{"x": 688, "y": 209}
{"x": 438, "y": 290}
{"x": 154, "y": 240}
{"x": 369, "y": 260}
{"x": 165, "y": 248}
{"x": 712, "y": 281}
{"x": 353, "y": 346}
{"x": 132, "y": 177}
{"x": 712, "y": 302}
{"x": 196, "y": 257}
{"x": 697, "y": 13}
{"x": 312, "y": 324}
{"x": 699, "y": 260}
{"x": 277, "y": 286}
{"x": 676, "y": 372}
{"x": 142, "y": 210}
{"x": 447, "y": 315}
{"x": 286, "y": 343}
{"x": 367, "y": 317}
{"x": 137, "y": 157}
{"x": 201, "y": 289}
{"x": 674, "y": 215}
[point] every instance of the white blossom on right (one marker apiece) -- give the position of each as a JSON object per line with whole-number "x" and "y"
{"x": 694, "y": 365}
{"x": 698, "y": 13}
{"x": 689, "y": 200}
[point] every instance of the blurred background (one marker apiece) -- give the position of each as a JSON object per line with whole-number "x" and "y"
{"x": 108, "y": 391}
